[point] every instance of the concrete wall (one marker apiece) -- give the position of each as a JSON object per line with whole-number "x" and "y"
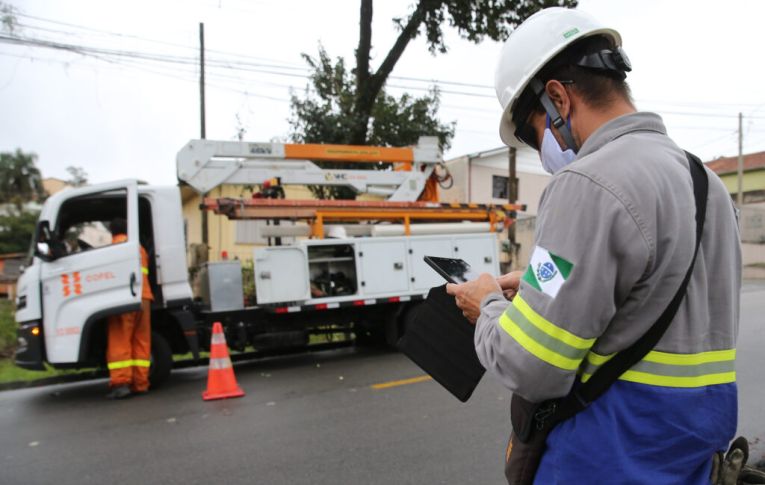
{"x": 752, "y": 180}
{"x": 475, "y": 184}
{"x": 530, "y": 187}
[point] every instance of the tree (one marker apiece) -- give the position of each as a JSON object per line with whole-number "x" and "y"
{"x": 16, "y": 230}
{"x": 342, "y": 106}
{"x": 327, "y": 117}
{"x": 79, "y": 176}
{"x": 20, "y": 179}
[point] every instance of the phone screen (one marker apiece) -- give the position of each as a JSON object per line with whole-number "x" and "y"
{"x": 453, "y": 270}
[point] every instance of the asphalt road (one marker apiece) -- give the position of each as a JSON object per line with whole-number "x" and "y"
{"x": 305, "y": 419}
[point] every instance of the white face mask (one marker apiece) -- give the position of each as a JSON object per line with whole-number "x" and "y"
{"x": 553, "y": 157}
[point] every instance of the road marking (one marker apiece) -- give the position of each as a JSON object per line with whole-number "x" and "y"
{"x": 402, "y": 382}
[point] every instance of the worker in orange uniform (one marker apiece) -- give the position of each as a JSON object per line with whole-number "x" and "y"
{"x": 128, "y": 353}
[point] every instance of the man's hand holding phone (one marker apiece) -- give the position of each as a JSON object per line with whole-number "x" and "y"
{"x": 470, "y": 295}
{"x": 510, "y": 283}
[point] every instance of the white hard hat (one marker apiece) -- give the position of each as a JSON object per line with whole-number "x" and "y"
{"x": 530, "y": 47}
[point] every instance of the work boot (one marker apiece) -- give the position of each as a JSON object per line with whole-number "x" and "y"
{"x": 119, "y": 392}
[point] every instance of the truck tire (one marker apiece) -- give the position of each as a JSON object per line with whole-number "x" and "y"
{"x": 161, "y": 360}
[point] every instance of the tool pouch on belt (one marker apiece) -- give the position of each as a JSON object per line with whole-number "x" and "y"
{"x": 533, "y": 422}
{"x": 527, "y": 442}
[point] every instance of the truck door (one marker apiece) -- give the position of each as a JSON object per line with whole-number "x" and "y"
{"x": 91, "y": 277}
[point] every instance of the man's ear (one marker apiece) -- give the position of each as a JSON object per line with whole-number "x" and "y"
{"x": 559, "y": 96}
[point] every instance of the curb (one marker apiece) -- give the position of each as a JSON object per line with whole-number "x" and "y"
{"x": 48, "y": 381}
{"x": 181, "y": 364}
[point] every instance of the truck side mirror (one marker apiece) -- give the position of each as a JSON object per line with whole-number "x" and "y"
{"x": 43, "y": 240}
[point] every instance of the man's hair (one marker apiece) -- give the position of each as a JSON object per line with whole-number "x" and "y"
{"x": 118, "y": 225}
{"x": 598, "y": 88}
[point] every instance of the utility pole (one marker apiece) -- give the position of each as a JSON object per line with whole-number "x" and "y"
{"x": 740, "y": 194}
{"x": 512, "y": 198}
{"x": 205, "y": 236}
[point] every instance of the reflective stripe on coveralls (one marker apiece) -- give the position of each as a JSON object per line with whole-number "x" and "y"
{"x": 543, "y": 339}
{"x": 565, "y": 350}
{"x": 128, "y": 363}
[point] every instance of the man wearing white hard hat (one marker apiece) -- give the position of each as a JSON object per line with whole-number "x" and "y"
{"x": 616, "y": 236}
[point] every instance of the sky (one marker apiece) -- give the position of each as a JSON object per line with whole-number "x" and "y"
{"x": 121, "y": 110}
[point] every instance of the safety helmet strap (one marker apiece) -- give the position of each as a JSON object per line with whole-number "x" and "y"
{"x": 555, "y": 117}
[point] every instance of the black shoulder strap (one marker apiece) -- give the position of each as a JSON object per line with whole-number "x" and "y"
{"x": 581, "y": 396}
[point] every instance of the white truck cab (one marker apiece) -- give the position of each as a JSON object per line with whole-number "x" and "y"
{"x": 78, "y": 277}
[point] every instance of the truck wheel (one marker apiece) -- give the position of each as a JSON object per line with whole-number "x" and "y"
{"x": 161, "y": 360}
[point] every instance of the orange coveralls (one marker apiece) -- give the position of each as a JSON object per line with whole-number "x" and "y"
{"x": 128, "y": 353}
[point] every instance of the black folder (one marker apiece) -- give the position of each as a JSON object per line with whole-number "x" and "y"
{"x": 439, "y": 339}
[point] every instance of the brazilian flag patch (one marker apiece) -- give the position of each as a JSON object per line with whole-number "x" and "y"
{"x": 547, "y": 272}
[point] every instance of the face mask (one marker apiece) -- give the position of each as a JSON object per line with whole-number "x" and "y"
{"x": 553, "y": 157}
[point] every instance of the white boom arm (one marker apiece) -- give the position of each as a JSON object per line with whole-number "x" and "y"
{"x": 205, "y": 164}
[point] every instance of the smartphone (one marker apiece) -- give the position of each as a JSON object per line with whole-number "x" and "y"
{"x": 453, "y": 270}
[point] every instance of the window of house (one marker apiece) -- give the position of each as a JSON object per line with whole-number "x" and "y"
{"x": 499, "y": 187}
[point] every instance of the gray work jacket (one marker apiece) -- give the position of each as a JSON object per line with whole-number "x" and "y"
{"x": 614, "y": 238}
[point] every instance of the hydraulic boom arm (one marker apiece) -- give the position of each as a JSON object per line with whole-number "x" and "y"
{"x": 205, "y": 164}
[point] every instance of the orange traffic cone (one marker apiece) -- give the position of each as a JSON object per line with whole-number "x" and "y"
{"x": 221, "y": 383}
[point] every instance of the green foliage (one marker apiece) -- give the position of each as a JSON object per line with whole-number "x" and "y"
{"x": 7, "y": 329}
{"x": 20, "y": 179}
{"x": 326, "y": 115}
{"x": 248, "y": 281}
{"x": 477, "y": 19}
{"x": 16, "y": 230}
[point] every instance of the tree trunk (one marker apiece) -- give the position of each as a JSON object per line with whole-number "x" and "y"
{"x": 366, "y": 92}
{"x": 359, "y": 134}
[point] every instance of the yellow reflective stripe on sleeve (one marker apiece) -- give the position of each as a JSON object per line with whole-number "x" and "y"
{"x": 690, "y": 359}
{"x": 543, "y": 339}
{"x": 597, "y": 359}
{"x": 120, "y": 364}
{"x": 673, "y": 381}
{"x": 534, "y": 348}
{"x": 673, "y": 370}
{"x": 144, "y": 270}
{"x": 550, "y": 329}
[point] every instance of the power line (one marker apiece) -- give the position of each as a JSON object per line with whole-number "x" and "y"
{"x": 277, "y": 64}
{"x": 109, "y": 55}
